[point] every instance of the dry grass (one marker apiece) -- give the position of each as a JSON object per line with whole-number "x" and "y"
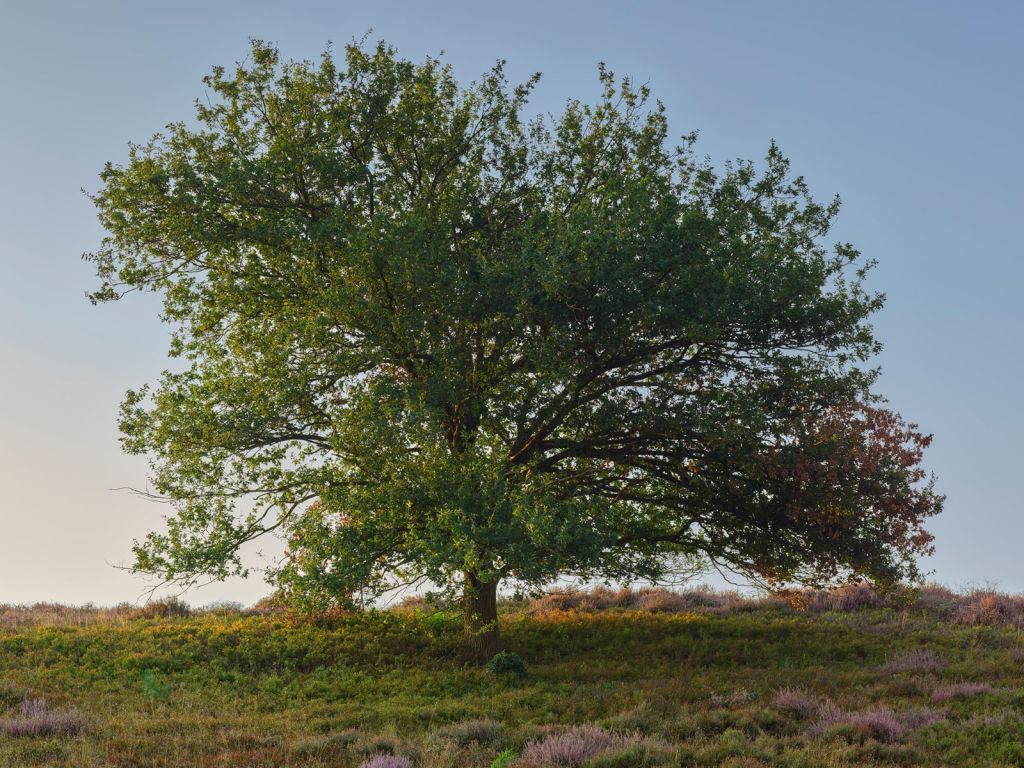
{"x": 959, "y": 691}
{"x": 916, "y": 661}
{"x": 37, "y": 719}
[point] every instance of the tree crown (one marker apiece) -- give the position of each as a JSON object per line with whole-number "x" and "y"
{"x": 425, "y": 335}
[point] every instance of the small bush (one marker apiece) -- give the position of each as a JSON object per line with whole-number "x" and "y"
{"x": 483, "y": 731}
{"x": 735, "y": 698}
{"x": 845, "y": 598}
{"x": 920, "y": 660}
{"x": 11, "y": 695}
{"x": 960, "y": 691}
{"x": 993, "y": 609}
{"x": 386, "y": 761}
{"x": 796, "y": 702}
{"x": 165, "y": 608}
{"x": 936, "y": 600}
{"x": 662, "y": 601}
{"x": 647, "y": 753}
{"x": 848, "y": 597}
{"x": 152, "y": 688}
{"x": 571, "y": 600}
{"x": 332, "y": 741}
{"x": 880, "y": 724}
{"x": 37, "y": 719}
{"x": 506, "y": 663}
{"x": 376, "y": 746}
{"x": 572, "y": 747}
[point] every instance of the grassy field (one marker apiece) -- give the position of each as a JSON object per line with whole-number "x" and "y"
{"x": 614, "y": 679}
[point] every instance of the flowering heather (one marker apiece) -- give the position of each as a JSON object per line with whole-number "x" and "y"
{"x": 881, "y": 724}
{"x": 920, "y": 660}
{"x": 990, "y": 609}
{"x": 796, "y": 702}
{"x": 482, "y": 731}
{"x": 960, "y": 691}
{"x": 572, "y": 747}
{"x": 936, "y": 600}
{"x": 37, "y": 719}
{"x": 386, "y": 761}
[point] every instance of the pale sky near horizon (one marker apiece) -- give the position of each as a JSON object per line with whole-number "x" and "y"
{"x": 911, "y": 111}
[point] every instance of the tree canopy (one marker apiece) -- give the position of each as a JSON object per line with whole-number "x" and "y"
{"x": 424, "y": 335}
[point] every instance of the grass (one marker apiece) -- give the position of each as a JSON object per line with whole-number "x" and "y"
{"x": 614, "y": 679}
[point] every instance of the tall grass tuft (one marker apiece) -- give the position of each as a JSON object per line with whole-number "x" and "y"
{"x": 386, "y": 761}
{"x": 796, "y": 702}
{"x": 920, "y": 660}
{"x": 37, "y": 719}
{"x": 881, "y": 724}
{"x": 572, "y": 747}
{"x": 959, "y": 691}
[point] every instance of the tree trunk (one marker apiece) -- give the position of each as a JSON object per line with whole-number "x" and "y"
{"x": 480, "y": 602}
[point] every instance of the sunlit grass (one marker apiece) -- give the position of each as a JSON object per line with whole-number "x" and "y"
{"x": 753, "y": 684}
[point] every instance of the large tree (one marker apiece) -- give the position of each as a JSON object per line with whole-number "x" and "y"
{"x": 423, "y": 336}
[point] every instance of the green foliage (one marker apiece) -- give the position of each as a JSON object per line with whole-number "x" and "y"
{"x": 506, "y": 663}
{"x": 152, "y": 688}
{"x": 423, "y": 337}
{"x": 504, "y": 759}
{"x": 11, "y": 695}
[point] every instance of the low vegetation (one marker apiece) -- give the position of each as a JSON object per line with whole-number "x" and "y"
{"x": 603, "y": 678}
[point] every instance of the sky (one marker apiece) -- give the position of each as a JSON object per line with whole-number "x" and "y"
{"x": 910, "y": 111}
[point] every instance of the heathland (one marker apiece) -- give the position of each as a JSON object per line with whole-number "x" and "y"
{"x": 608, "y": 678}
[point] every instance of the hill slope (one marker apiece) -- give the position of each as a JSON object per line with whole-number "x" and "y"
{"x": 696, "y": 682}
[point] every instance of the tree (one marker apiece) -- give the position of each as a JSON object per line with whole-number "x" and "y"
{"x": 424, "y": 337}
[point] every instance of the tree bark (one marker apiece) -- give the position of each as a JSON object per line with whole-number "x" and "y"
{"x": 480, "y": 603}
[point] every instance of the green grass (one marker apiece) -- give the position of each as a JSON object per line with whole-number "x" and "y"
{"x": 693, "y": 689}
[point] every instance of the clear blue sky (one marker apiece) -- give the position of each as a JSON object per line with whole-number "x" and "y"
{"x": 911, "y": 111}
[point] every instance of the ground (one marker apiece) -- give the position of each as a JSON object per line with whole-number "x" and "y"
{"x": 698, "y": 680}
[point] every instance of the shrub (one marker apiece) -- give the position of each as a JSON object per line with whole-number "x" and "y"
{"x": 152, "y": 688}
{"x": 332, "y": 741}
{"x": 845, "y": 598}
{"x": 572, "y": 747}
{"x": 662, "y": 601}
{"x": 506, "y": 663}
{"x": 992, "y": 609}
{"x": 960, "y": 691}
{"x": 880, "y": 724}
{"x": 920, "y": 660}
{"x": 735, "y": 698}
{"x": 386, "y": 761}
{"x": 937, "y": 600}
{"x": 165, "y": 608}
{"x": 571, "y": 600}
{"x": 796, "y": 702}
{"x": 647, "y": 753}
{"x": 666, "y": 601}
{"x": 37, "y": 719}
{"x": 11, "y": 695}
{"x": 483, "y": 731}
